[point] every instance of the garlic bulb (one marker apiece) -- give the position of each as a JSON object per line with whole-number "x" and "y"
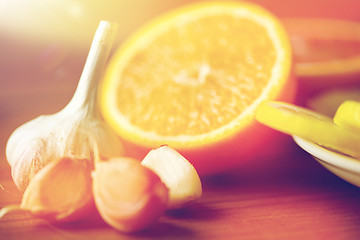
{"x": 66, "y": 133}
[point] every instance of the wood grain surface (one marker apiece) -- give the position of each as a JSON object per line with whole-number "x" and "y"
{"x": 285, "y": 196}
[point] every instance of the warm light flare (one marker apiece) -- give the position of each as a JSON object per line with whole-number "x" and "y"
{"x": 74, "y": 21}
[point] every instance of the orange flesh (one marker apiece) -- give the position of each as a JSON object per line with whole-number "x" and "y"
{"x": 196, "y": 88}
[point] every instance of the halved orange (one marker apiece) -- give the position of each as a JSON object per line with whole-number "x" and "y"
{"x": 193, "y": 78}
{"x": 326, "y": 53}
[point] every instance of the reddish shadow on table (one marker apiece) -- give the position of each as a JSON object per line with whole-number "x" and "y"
{"x": 90, "y": 221}
{"x": 160, "y": 230}
{"x": 293, "y": 169}
{"x": 94, "y": 230}
{"x": 166, "y": 228}
{"x": 197, "y": 211}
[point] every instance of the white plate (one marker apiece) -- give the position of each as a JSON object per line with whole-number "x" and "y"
{"x": 346, "y": 167}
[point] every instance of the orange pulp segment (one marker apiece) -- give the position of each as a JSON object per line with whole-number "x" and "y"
{"x": 196, "y": 75}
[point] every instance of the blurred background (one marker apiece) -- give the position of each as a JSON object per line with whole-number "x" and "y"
{"x": 37, "y": 32}
{"x": 44, "y": 44}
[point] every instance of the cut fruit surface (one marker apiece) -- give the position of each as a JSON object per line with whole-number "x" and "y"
{"x": 195, "y": 76}
{"x": 310, "y": 125}
{"x": 348, "y": 116}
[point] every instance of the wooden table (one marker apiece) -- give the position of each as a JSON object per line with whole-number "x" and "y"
{"x": 288, "y": 196}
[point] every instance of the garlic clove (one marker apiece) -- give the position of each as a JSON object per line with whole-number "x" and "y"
{"x": 128, "y": 196}
{"x": 61, "y": 191}
{"x": 177, "y": 173}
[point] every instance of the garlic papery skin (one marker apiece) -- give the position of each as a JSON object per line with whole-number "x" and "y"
{"x": 128, "y": 196}
{"x": 67, "y": 133}
{"x": 61, "y": 191}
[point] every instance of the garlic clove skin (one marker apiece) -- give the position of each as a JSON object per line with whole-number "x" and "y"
{"x": 177, "y": 173}
{"x": 46, "y": 138}
{"x": 128, "y": 196}
{"x": 26, "y": 163}
{"x": 61, "y": 191}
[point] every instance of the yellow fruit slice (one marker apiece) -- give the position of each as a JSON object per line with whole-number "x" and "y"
{"x": 348, "y": 116}
{"x": 310, "y": 125}
{"x": 195, "y": 76}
